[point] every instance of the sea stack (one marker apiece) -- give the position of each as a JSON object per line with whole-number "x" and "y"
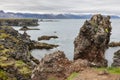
{"x": 93, "y": 39}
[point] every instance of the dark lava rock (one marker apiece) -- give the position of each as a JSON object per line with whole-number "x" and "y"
{"x": 56, "y": 66}
{"x": 93, "y": 39}
{"x": 16, "y": 62}
{"x": 25, "y": 28}
{"x": 47, "y": 37}
{"x": 39, "y": 45}
{"x": 116, "y": 59}
{"x": 114, "y": 44}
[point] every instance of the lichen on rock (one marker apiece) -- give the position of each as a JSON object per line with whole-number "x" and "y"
{"x": 93, "y": 39}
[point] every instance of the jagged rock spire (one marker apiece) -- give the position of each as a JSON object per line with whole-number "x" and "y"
{"x": 93, "y": 39}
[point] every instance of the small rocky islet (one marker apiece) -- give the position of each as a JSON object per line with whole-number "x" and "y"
{"x": 45, "y": 37}
{"x": 25, "y": 28}
{"x": 17, "y": 63}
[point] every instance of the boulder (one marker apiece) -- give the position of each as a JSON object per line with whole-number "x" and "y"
{"x": 56, "y": 66}
{"x": 93, "y": 39}
{"x": 51, "y": 65}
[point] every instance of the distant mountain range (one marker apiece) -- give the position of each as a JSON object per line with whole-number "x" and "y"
{"x": 46, "y": 16}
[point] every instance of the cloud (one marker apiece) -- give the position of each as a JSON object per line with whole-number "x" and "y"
{"x": 65, "y": 6}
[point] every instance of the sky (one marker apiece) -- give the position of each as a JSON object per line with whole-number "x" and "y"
{"x": 62, "y": 6}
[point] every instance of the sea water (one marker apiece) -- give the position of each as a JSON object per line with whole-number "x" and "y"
{"x": 67, "y": 30}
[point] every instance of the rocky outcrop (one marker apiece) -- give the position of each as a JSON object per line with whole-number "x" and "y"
{"x": 16, "y": 62}
{"x": 57, "y": 67}
{"x": 116, "y": 59}
{"x": 114, "y": 44}
{"x": 93, "y": 39}
{"x": 47, "y": 37}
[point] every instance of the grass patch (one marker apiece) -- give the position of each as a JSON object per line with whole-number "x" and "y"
{"x": 112, "y": 70}
{"x": 72, "y": 76}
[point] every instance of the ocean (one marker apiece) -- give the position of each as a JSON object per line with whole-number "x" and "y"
{"x": 67, "y": 30}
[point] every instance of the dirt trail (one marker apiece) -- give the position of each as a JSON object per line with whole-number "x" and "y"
{"x": 92, "y": 74}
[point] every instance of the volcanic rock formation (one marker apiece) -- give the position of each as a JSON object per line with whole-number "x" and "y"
{"x": 93, "y": 39}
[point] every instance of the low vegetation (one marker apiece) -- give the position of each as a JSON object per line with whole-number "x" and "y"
{"x": 111, "y": 70}
{"x": 72, "y": 76}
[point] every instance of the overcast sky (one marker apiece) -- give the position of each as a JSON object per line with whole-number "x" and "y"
{"x": 62, "y": 6}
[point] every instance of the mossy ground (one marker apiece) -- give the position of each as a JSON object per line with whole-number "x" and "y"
{"x": 111, "y": 70}
{"x": 72, "y": 76}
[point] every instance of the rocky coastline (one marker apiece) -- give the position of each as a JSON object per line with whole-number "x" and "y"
{"x": 90, "y": 46}
{"x": 17, "y": 63}
{"x": 18, "y": 22}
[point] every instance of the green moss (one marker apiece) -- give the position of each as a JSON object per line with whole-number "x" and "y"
{"x": 1, "y": 47}
{"x": 14, "y": 39}
{"x": 25, "y": 71}
{"x": 2, "y": 31}
{"x": 3, "y": 58}
{"x": 4, "y": 64}
{"x": 23, "y": 68}
{"x": 3, "y": 35}
{"x": 93, "y": 24}
{"x": 19, "y": 63}
{"x": 4, "y": 76}
{"x": 72, "y": 76}
{"x": 5, "y": 51}
{"x": 8, "y": 27}
{"x": 112, "y": 70}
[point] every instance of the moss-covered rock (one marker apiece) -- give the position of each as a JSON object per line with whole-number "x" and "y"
{"x": 15, "y": 58}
